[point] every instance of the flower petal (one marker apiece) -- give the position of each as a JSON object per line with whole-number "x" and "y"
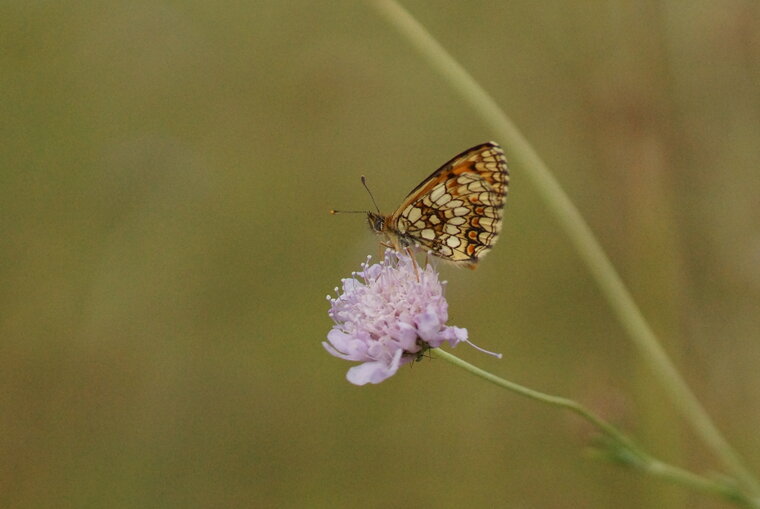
{"x": 332, "y": 351}
{"x": 352, "y": 347}
{"x": 428, "y": 327}
{"x": 338, "y": 339}
{"x": 454, "y": 335}
{"x": 374, "y": 372}
{"x": 407, "y": 337}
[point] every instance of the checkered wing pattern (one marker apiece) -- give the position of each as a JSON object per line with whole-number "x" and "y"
{"x": 456, "y": 212}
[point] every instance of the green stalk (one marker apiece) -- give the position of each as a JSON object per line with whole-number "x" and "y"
{"x": 578, "y": 231}
{"x": 627, "y": 450}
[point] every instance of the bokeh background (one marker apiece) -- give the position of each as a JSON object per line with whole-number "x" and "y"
{"x": 166, "y": 169}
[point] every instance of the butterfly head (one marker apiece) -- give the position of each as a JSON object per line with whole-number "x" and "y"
{"x": 376, "y": 222}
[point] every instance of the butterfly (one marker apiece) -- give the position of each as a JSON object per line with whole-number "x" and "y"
{"x": 455, "y": 213}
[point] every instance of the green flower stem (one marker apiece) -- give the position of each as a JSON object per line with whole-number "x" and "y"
{"x": 579, "y": 233}
{"x": 627, "y": 450}
{"x": 540, "y": 396}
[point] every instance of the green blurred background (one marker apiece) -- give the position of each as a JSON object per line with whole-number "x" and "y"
{"x": 166, "y": 169}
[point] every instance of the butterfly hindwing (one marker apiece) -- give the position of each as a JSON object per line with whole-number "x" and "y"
{"x": 456, "y": 212}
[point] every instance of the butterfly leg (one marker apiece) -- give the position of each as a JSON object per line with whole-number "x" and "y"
{"x": 414, "y": 263}
{"x": 381, "y": 249}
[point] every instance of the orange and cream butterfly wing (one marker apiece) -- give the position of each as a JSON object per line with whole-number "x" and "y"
{"x": 456, "y": 212}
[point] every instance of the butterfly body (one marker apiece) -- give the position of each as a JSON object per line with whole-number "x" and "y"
{"x": 456, "y": 212}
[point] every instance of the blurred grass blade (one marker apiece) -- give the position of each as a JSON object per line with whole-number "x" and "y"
{"x": 527, "y": 162}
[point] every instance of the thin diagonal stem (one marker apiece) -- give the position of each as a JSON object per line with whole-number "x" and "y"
{"x": 636, "y": 457}
{"x": 578, "y": 231}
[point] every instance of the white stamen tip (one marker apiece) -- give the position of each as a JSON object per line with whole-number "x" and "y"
{"x": 476, "y": 347}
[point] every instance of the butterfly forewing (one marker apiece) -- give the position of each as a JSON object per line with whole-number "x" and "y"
{"x": 456, "y": 212}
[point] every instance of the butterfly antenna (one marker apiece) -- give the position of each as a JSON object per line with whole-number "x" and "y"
{"x": 364, "y": 183}
{"x": 333, "y": 211}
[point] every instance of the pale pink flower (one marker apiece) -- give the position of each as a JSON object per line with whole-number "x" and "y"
{"x": 389, "y": 314}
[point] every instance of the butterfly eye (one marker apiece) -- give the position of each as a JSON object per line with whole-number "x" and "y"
{"x": 376, "y": 222}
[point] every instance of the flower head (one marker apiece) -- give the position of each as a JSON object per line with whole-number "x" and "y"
{"x": 387, "y": 315}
